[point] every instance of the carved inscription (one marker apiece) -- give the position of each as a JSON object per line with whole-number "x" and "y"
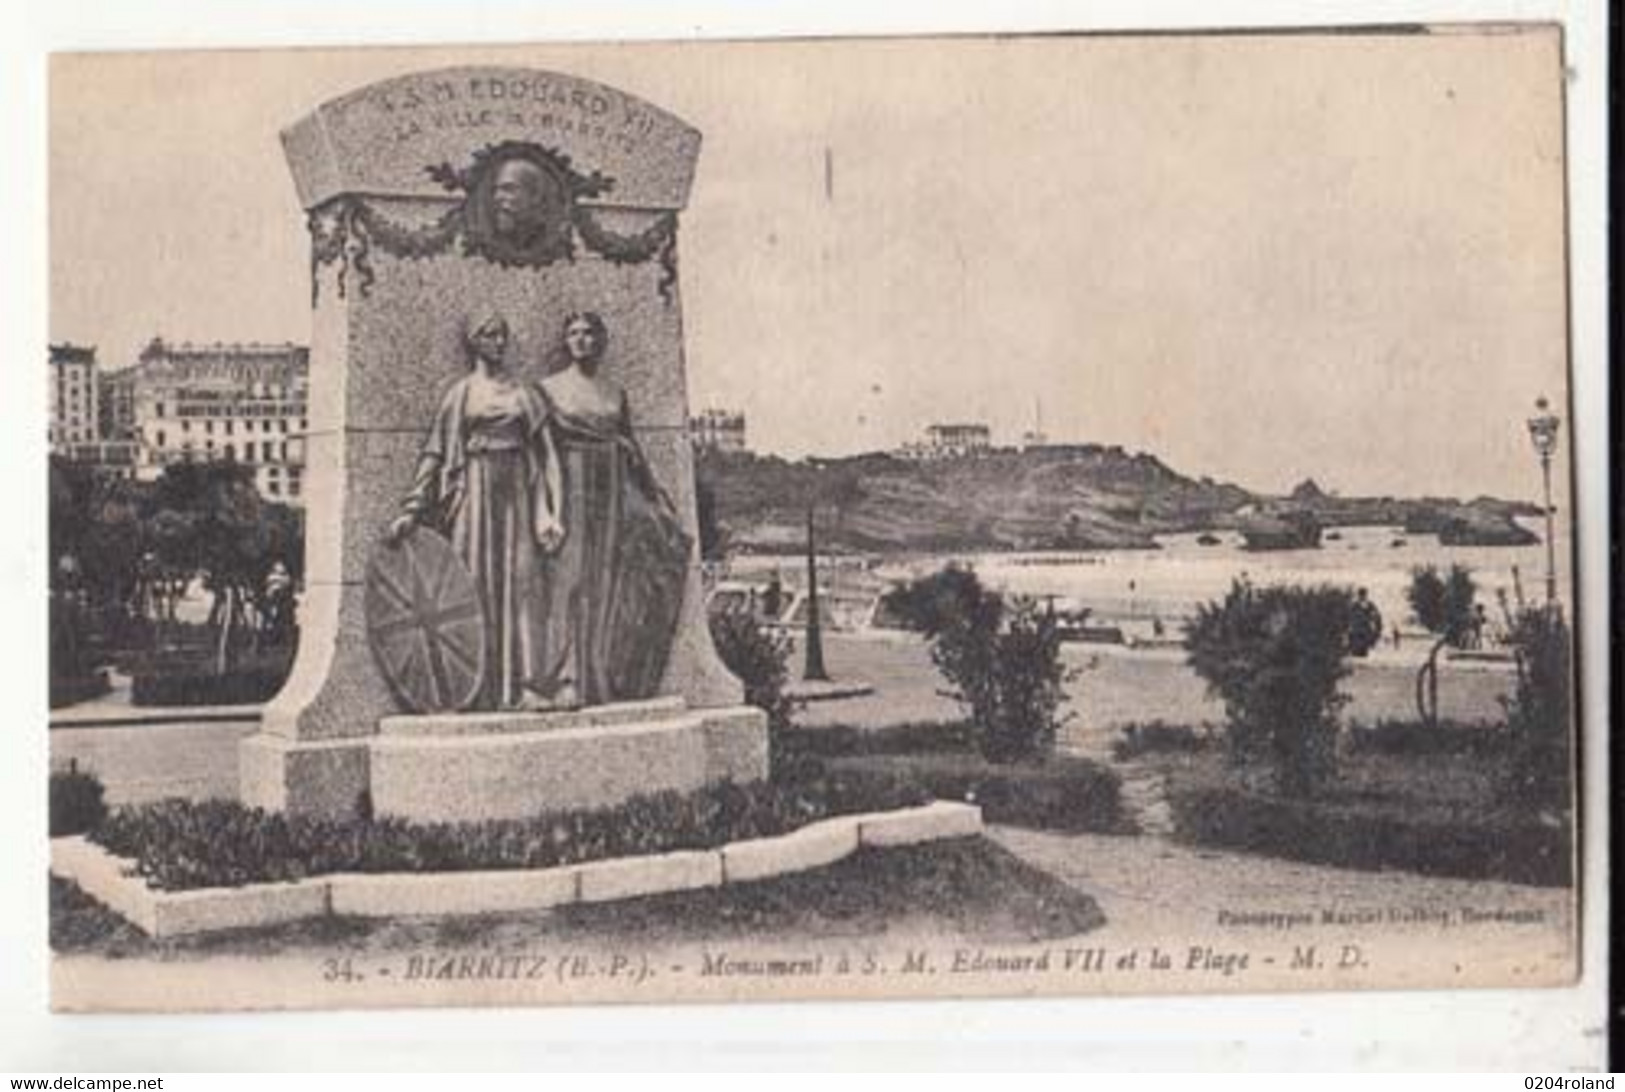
{"x": 530, "y": 102}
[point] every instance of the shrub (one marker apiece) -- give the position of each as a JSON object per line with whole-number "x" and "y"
{"x": 1274, "y": 656}
{"x": 1004, "y": 662}
{"x": 1539, "y": 712}
{"x": 76, "y": 802}
{"x": 909, "y": 738}
{"x": 758, "y": 657}
{"x": 1464, "y": 845}
{"x": 1411, "y": 737}
{"x": 940, "y": 601}
{"x": 1159, "y": 737}
{"x": 1067, "y": 793}
{"x": 1443, "y": 604}
{"x": 181, "y": 845}
{"x": 204, "y": 687}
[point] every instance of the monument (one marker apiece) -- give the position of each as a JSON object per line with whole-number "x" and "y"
{"x": 503, "y": 609}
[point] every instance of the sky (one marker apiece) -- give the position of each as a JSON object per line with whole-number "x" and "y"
{"x": 1261, "y": 258}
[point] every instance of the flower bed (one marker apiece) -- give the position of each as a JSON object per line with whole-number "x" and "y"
{"x": 182, "y": 846}
{"x": 117, "y": 882}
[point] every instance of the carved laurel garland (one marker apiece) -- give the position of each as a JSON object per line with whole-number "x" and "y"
{"x": 347, "y": 228}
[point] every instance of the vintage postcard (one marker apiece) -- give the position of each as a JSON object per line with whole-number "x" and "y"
{"x": 847, "y": 518}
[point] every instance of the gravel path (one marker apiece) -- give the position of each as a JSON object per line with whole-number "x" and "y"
{"x": 1408, "y": 929}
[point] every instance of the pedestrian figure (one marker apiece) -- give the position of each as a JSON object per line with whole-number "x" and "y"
{"x": 1365, "y": 628}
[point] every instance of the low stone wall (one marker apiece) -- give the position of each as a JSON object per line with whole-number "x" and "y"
{"x": 115, "y": 882}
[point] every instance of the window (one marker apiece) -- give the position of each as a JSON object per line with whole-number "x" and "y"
{"x": 265, "y": 452}
{"x": 274, "y": 488}
{"x": 160, "y": 435}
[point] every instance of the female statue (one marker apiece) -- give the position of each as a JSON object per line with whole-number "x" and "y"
{"x": 613, "y": 588}
{"x": 488, "y": 478}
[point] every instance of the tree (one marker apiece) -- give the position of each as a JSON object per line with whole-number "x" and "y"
{"x": 705, "y": 509}
{"x": 1443, "y": 606}
{"x": 208, "y": 517}
{"x": 1540, "y": 711}
{"x": 1275, "y": 656}
{"x": 759, "y": 657}
{"x": 1002, "y": 660}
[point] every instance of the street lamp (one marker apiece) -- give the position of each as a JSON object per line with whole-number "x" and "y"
{"x": 1543, "y": 434}
{"x": 814, "y": 670}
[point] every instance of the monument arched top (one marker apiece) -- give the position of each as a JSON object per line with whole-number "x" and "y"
{"x": 386, "y": 138}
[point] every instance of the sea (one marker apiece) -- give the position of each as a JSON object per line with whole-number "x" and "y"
{"x": 1140, "y": 589}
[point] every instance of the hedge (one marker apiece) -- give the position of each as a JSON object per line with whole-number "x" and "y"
{"x": 206, "y": 688}
{"x": 76, "y": 802}
{"x": 1066, "y": 793}
{"x": 1494, "y": 847}
{"x": 1412, "y": 737}
{"x": 180, "y": 845}
{"x": 912, "y": 737}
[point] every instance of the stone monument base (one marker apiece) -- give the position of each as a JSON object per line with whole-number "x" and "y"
{"x": 473, "y": 767}
{"x": 458, "y": 768}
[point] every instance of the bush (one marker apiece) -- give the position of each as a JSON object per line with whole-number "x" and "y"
{"x": 758, "y": 657}
{"x": 180, "y": 845}
{"x": 1411, "y": 737}
{"x": 1443, "y": 604}
{"x": 1464, "y": 846}
{"x": 1539, "y": 712}
{"x": 1004, "y": 662}
{"x": 204, "y": 687}
{"x": 1160, "y": 738}
{"x": 910, "y": 738}
{"x": 1274, "y": 656}
{"x": 76, "y": 802}
{"x": 1066, "y": 793}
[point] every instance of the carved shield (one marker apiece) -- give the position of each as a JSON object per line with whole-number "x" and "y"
{"x": 426, "y": 623}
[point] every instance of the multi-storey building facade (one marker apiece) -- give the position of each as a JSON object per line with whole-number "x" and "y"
{"x": 116, "y": 404}
{"x": 718, "y": 430}
{"x": 949, "y": 441}
{"x": 72, "y": 397}
{"x": 244, "y": 403}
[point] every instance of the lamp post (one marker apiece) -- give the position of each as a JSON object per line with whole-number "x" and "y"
{"x": 813, "y": 670}
{"x": 1543, "y": 434}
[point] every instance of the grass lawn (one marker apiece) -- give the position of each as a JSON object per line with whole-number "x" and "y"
{"x": 969, "y": 887}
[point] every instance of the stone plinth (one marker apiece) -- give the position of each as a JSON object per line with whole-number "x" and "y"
{"x": 513, "y": 765}
{"x": 403, "y": 251}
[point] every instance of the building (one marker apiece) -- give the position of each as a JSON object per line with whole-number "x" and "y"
{"x": 949, "y": 441}
{"x": 72, "y": 397}
{"x": 718, "y": 430}
{"x": 1035, "y": 437}
{"x": 114, "y": 458}
{"x": 244, "y": 403}
{"x": 116, "y": 404}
